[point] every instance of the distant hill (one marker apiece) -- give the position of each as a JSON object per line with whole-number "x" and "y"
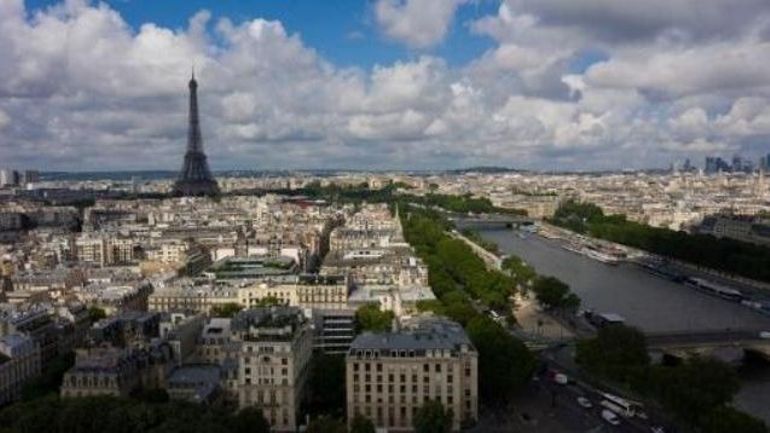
{"x": 486, "y": 169}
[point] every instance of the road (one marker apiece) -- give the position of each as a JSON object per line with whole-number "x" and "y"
{"x": 560, "y": 358}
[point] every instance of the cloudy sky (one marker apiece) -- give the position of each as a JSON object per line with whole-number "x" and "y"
{"x": 411, "y": 84}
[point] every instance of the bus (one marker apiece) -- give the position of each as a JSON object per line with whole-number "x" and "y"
{"x": 621, "y": 406}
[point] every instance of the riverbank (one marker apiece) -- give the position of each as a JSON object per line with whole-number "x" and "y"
{"x": 648, "y": 302}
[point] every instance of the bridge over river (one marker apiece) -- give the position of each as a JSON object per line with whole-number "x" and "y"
{"x": 676, "y": 318}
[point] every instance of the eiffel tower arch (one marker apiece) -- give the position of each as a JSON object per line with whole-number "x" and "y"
{"x": 195, "y": 178}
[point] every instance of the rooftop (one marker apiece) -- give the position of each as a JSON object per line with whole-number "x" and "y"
{"x": 426, "y": 334}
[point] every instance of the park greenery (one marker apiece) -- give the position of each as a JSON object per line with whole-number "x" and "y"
{"x": 433, "y": 418}
{"x": 474, "y": 236}
{"x": 326, "y": 424}
{"x": 393, "y": 192}
{"x": 329, "y": 424}
{"x": 361, "y": 424}
{"x": 554, "y": 294}
{"x": 726, "y": 255}
{"x": 465, "y": 288}
{"x": 96, "y": 314}
{"x": 369, "y": 317}
{"x": 550, "y": 292}
{"x": 698, "y": 391}
{"x": 117, "y": 415}
{"x": 521, "y": 272}
{"x": 227, "y": 310}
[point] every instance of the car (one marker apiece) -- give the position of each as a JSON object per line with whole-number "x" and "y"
{"x": 561, "y": 378}
{"x": 765, "y": 335}
{"x": 610, "y": 417}
{"x": 657, "y": 429}
{"x": 584, "y": 402}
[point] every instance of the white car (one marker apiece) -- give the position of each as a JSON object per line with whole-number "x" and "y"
{"x": 657, "y": 429}
{"x": 586, "y": 403}
{"x": 610, "y": 417}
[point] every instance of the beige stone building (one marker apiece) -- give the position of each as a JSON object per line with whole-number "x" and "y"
{"x": 328, "y": 292}
{"x": 390, "y": 376}
{"x": 276, "y": 344}
{"x": 104, "y": 250}
{"x": 117, "y": 371}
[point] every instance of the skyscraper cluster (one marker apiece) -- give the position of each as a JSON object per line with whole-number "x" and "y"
{"x": 11, "y": 177}
{"x": 715, "y": 164}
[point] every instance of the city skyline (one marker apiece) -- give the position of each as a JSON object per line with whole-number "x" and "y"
{"x": 530, "y": 85}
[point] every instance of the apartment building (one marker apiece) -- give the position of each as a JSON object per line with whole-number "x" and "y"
{"x": 104, "y": 250}
{"x": 117, "y": 371}
{"x": 273, "y": 362}
{"x": 19, "y": 362}
{"x": 390, "y": 376}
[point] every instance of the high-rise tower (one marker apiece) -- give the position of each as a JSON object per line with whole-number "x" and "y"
{"x": 195, "y": 178}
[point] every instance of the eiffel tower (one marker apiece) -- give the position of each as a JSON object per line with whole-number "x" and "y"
{"x": 195, "y": 178}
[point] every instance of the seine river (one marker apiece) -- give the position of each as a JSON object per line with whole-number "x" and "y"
{"x": 646, "y": 301}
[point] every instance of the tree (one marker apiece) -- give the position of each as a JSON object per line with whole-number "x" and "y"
{"x": 249, "y": 420}
{"x": 433, "y": 418}
{"x": 728, "y": 419}
{"x": 370, "y": 318}
{"x": 326, "y": 424}
{"x": 695, "y": 388}
{"x": 226, "y": 310}
{"x": 361, "y": 424}
{"x": 520, "y": 271}
{"x": 618, "y": 352}
{"x": 505, "y": 363}
{"x": 95, "y": 314}
{"x": 554, "y": 293}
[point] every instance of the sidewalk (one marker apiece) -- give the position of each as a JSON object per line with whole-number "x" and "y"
{"x": 536, "y": 322}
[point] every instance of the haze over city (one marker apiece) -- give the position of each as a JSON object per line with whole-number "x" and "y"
{"x": 555, "y": 84}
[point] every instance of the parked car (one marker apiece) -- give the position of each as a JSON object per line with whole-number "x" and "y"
{"x": 657, "y": 429}
{"x": 610, "y": 417}
{"x": 586, "y": 403}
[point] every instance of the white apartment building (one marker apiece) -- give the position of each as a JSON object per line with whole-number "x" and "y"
{"x": 390, "y": 376}
{"x": 276, "y": 345}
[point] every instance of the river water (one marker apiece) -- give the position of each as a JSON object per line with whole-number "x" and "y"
{"x": 646, "y": 301}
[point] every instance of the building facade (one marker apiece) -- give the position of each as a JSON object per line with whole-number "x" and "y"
{"x": 273, "y": 362}
{"x": 19, "y": 363}
{"x": 390, "y": 376}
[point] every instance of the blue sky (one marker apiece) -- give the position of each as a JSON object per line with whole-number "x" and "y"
{"x": 342, "y": 31}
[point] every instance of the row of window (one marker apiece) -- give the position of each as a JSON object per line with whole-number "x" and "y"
{"x": 391, "y": 378}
